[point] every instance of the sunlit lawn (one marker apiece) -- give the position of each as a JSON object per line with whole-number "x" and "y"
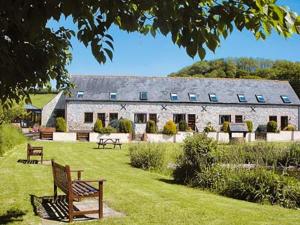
{"x": 145, "y": 197}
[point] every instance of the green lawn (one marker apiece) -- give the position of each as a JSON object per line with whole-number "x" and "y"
{"x": 145, "y": 197}
{"x": 40, "y": 100}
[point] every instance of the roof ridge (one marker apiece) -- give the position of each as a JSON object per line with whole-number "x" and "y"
{"x": 166, "y": 77}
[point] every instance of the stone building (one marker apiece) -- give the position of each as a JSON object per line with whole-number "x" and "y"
{"x": 199, "y": 101}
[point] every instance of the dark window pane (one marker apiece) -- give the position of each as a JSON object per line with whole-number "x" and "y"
{"x": 113, "y": 96}
{"x": 224, "y": 118}
{"x": 153, "y": 117}
{"x": 239, "y": 119}
{"x": 242, "y": 98}
{"x": 273, "y": 118}
{"x": 140, "y": 118}
{"x": 88, "y": 117}
{"x": 101, "y": 116}
{"x": 113, "y": 116}
{"x": 193, "y": 97}
{"x": 260, "y": 98}
{"x": 174, "y": 97}
{"x": 178, "y": 117}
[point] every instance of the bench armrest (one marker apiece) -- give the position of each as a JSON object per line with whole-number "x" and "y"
{"x": 78, "y": 173}
{"x": 90, "y": 181}
{"x": 37, "y": 148}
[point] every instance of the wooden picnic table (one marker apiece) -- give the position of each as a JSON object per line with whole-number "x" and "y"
{"x": 105, "y": 141}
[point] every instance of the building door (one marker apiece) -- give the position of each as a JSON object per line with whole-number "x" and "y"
{"x": 192, "y": 121}
{"x": 101, "y": 116}
{"x": 284, "y": 122}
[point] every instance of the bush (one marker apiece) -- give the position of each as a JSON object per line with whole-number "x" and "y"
{"x": 151, "y": 127}
{"x": 197, "y": 156}
{"x": 209, "y": 128}
{"x": 249, "y": 125}
{"x": 182, "y": 126}
{"x": 290, "y": 127}
{"x": 60, "y": 124}
{"x": 10, "y": 136}
{"x": 125, "y": 126}
{"x": 98, "y": 126}
{"x": 147, "y": 156}
{"x": 170, "y": 128}
{"x": 107, "y": 130}
{"x": 257, "y": 185}
{"x": 272, "y": 126}
{"x": 225, "y": 127}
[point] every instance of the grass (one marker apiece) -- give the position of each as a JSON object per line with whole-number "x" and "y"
{"x": 40, "y": 100}
{"x": 145, "y": 197}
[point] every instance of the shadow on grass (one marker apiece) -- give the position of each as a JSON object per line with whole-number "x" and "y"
{"x": 49, "y": 208}
{"x": 34, "y": 161}
{"x": 168, "y": 181}
{"x": 12, "y": 215}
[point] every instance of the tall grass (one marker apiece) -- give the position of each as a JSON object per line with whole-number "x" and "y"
{"x": 10, "y": 136}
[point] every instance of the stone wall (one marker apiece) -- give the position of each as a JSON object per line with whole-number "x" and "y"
{"x": 204, "y": 113}
{"x": 48, "y": 111}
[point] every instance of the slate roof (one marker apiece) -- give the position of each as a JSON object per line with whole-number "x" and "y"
{"x": 98, "y": 88}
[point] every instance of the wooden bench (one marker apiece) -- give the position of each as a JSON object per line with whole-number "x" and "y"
{"x": 115, "y": 142}
{"x": 46, "y": 135}
{"x": 82, "y": 136}
{"x": 34, "y": 151}
{"x": 76, "y": 189}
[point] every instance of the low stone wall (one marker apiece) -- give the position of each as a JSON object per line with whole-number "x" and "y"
{"x": 284, "y": 136}
{"x": 219, "y": 136}
{"x": 160, "y": 138}
{"x": 124, "y": 137}
{"x": 63, "y": 136}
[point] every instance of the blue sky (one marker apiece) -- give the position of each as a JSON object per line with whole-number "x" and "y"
{"x": 136, "y": 54}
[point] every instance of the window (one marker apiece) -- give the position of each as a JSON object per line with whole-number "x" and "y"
{"x": 174, "y": 97}
{"x": 113, "y": 96}
{"x": 101, "y": 116}
{"x": 140, "y": 118}
{"x": 143, "y": 96}
{"x": 178, "y": 117}
{"x": 80, "y": 94}
{"x": 260, "y": 98}
{"x": 88, "y": 117}
{"x": 225, "y": 118}
{"x": 153, "y": 117}
{"x": 285, "y": 99}
{"x": 242, "y": 98}
{"x": 113, "y": 116}
{"x": 193, "y": 97}
{"x": 213, "y": 98}
{"x": 239, "y": 119}
{"x": 273, "y": 118}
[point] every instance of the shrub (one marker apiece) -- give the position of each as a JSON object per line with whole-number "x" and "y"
{"x": 151, "y": 127}
{"x": 98, "y": 126}
{"x": 290, "y": 127}
{"x": 225, "y": 127}
{"x": 272, "y": 126}
{"x": 107, "y": 130}
{"x": 249, "y": 125}
{"x": 209, "y": 128}
{"x": 125, "y": 126}
{"x": 60, "y": 124}
{"x": 10, "y": 136}
{"x": 147, "y": 156}
{"x": 170, "y": 128}
{"x": 182, "y": 126}
{"x": 197, "y": 156}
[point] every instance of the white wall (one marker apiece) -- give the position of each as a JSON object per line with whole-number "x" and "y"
{"x": 124, "y": 138}
{"x": 58, "y": 102}
{"x": 63, "y": 136}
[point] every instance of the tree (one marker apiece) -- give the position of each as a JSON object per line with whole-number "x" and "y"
{"x": 31, "y": 54}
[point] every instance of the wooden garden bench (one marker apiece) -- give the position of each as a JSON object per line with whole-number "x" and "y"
{"x": 76, "y": 189}
{"x": 46, "y": 135}
{"x": 34, "y": 151}
{"x": 115, "y": 142}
